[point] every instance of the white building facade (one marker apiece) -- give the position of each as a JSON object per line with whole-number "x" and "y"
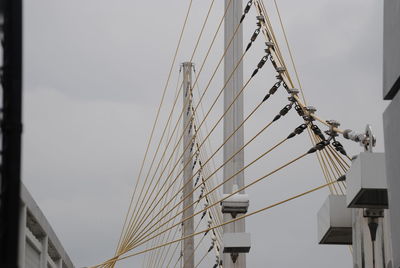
{"x": 39, "y": 246}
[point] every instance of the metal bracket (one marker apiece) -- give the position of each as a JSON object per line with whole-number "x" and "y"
{"x": 367, "y": 139}
{"x": 234, "y": 256}
{"x": 280, "y": 69}
{"x": 333, "y": 124}
{"x": 373, "y": 213}
{"x": 235, "y": 204}
{"x": 293, "y": 91}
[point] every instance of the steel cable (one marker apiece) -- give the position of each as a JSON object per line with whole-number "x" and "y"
{"x": 158, "y": 113}
{"x": 228, "y": 222}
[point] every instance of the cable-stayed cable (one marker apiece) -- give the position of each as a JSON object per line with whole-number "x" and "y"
{"x": 158, "y": 111}
{"x": 231, "y": 221}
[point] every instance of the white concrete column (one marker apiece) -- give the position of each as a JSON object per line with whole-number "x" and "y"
{"x": 43, "y": 254}
{"x": 188, "y": 226}
{"x": 387, "y": 238}
{"x": 364, "y": 251}
{"x": 362, "y": 246}
{"x": 233, "y": 118}
{"x": 59, "y": 263}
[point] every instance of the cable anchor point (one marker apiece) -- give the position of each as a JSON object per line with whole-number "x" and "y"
{"x": 367, "y": 139}
{"x": 333, "y": 125}
{"x": 246, "y": 10}
{"x": 260, "y": 65}
{"x": 293, "y": 91}
{"x": 253, "y": 38}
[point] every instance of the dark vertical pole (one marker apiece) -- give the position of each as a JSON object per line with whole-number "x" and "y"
{"x": 11, "y": 127}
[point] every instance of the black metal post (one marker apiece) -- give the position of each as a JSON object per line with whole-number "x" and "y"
{"x": 11, "y": 128}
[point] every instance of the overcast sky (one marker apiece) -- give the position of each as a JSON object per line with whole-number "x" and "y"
{"x": 93, "y": 77}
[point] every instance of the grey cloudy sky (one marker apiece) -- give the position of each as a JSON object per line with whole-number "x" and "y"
{"x": 94, "y": 72}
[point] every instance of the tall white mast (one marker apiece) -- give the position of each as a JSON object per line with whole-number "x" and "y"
{"x": 233, "y": 119}
{"x": 187, "y": 227}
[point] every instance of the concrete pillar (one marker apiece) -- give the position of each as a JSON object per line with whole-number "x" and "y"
{"x": 59, "y": 263}
{"x": 188, "y": 226}
{"x": 43, "y": 254}
{"x": 391, "y": 122}
{"x": 387, "y": 240}
{"x": 362, "y": 250}
{"x": 392, "y": 150}
{"x": 233, "y": 118}
{"x": 365, "y": 253}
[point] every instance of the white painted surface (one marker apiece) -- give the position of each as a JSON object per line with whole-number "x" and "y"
{"x": 233, "y": 118}
{"x": 392, "y": 149}
{"x": 39, "y": 246}
{"x": 188, "y": 225}
{"x": 333, "y": 214}
{"x": 236, "y": 240}
{"x": 367, "y": 172}
{"x": 32, "y": 256}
